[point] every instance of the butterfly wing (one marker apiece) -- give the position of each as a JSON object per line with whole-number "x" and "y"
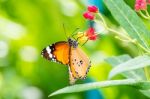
{"x": 58, "y": 52}
{"x": 79, "y": 64}
{"x": 77, "y": 61}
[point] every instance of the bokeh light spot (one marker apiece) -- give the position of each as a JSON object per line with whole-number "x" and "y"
{"x": 28, "y": 53}
{"x": 11, "y": 29}
{"x": 31, "y": 93}
{"x": 3, "y": 49}
{"x": 70, "y": 8}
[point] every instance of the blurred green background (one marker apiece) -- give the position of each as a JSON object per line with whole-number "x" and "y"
{"x": 27, "y": 26}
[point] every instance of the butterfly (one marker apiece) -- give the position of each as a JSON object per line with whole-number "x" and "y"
{"x": 68, "y": 53}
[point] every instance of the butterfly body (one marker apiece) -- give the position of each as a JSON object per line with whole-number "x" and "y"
{"x": 68, "y": 53}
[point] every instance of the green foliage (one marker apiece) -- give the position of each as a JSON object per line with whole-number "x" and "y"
{"x": 143, "y": 85}
{"x": 129, "y": 20}
{"x": 130, "y": 67}
{"x": 118, "y": 60}
{"x": 132, "y": 64}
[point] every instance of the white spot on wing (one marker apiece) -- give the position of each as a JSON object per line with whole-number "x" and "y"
{"x": 50, "y": 55}
{"x": 48, "y": 50}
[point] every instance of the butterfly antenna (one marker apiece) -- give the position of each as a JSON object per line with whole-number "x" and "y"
{"x": 73, "y": 33}
{"x": 65, "y": 31}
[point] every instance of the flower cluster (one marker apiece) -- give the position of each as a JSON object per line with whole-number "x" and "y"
{"x": 90, "y": 33}
{"x": 141, "y": 5}
{"x": 90, "y": 13}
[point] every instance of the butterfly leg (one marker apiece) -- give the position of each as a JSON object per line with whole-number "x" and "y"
{"x": 80, "y": 36}
{"x": 85, "y": 42}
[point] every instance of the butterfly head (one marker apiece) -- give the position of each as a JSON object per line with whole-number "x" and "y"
{"x": 73, "y": 43}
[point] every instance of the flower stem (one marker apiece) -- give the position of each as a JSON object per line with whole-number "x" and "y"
{"x": 118, "y": 33}
{"x": 147, "y": 13}
{"x": 129, "y": 39}
{"x": 144, "y": 16}
{"x": 143, "y": 48}
{"x": 103, "y": 20}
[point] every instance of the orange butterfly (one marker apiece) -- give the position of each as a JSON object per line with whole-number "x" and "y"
{"x": 68, "y": 53}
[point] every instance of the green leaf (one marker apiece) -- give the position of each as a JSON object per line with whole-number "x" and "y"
{"x": 136, "y": 74}
{"x": 143, "y": 85}
{"x": 129, "y": 20}
{"x": 132, "y": 64}
{"x": 117, "y": 60}
{"x": 145, "y": 92}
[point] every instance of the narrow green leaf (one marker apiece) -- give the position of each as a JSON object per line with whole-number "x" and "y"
{"x": 132, "y": 64}
{"x": 136, "y": 74}
{"x": 145, "y": 92}
{"x": 117, "y": 60}
{"x": 129, "y": 20}
{"x": 143, "y": 85}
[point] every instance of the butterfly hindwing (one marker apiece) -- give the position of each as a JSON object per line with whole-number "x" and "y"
{"x": 79, "y": 63}
{"x": 58, "y": 52}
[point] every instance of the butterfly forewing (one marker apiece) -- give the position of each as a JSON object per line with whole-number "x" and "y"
{"x": 79, "y": 63}
{"x": 58, "y": 52}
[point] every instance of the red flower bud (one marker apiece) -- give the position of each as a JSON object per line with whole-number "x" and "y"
{"x": 88, "y": 15}
{"x": 92, "y": 9}
{"x": 93, "y": 37}
{"x": 90, "y": 33}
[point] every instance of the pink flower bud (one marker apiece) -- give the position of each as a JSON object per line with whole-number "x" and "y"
{"x": 138, "y": 1}
{"x": 143, "y": 5}
{"x": 92, "y": 9}
{"x": 140, "y": 5}
{"x": 88, "y": 15}
{"x": 137, "y": 7}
